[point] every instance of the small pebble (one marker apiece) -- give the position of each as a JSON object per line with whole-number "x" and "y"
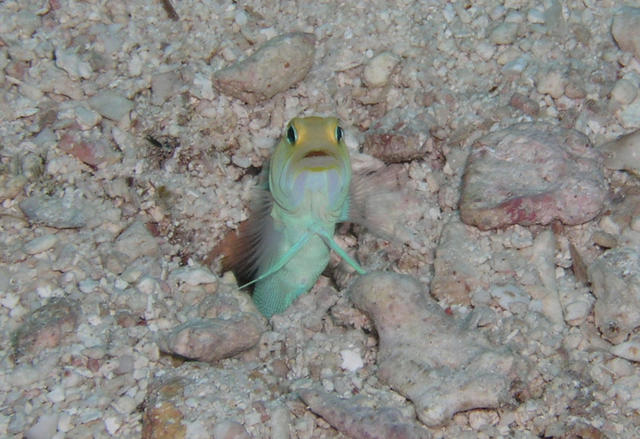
{"x": 629, "y": 350}
{"x": 70, "y": 62}
{"x": 624, "y": 91}
{"x": 504, "y": 33}
{"x": 378, "y": 69}
{"x": 40, "y": 244}
{"x": 111, "y": 105}
{"x": 552, "y": 83}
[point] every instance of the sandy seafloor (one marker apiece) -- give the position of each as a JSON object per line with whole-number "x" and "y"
{"x": 83, "y": 86}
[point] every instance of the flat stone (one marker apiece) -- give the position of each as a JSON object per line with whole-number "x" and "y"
{"x": 532, "y": 173}
{"x": 276, "y": 66}
{"x": 61, "y": 213}
{"x": 424, "y": 354}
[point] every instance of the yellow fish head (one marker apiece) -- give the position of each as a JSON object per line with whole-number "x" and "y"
{"x": 311, "y": 162}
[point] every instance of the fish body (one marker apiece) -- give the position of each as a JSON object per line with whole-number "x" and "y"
{"x": 285, "y": 244}
{"x": 308, "y": 183}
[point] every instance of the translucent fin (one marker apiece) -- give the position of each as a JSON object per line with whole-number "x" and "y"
{"x": 377, "y": 201}
{"x": 252, "y": 245}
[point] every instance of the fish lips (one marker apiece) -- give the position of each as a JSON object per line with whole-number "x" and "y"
{"x": 318, "y": 160}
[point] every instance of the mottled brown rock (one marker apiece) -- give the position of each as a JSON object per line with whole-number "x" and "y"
{"x": 359, "y": 422}
{"x": 162, "y": 419}
{"x": 424, "y": 354}
{"x": 523, "y": 103}
{"x": 532, "y": 173}
{"x": 276, "y": 66}
{"x": 214, "y": 339}
{"x": 46, "y": 327}
{"x": 615, "y": 281}
{"x": 401, "y": 136}
{"x": 456, "y": 273}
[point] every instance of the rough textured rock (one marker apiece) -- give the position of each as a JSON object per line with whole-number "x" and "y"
{"x": 615, "y": 280}
{"x": 359, "y": 422}
{"x": 623, "y": 153}
{"x": 398, "y": 137}
{"x": 532, "y": 173}
{"x": 46, "y": 326}
{"x": 425, "y": 355}
{"x": 626, "y": 30}
{"x": 456, "y": 267}
{"x": 276, "y": 66}
{"x": 162, "y": 419}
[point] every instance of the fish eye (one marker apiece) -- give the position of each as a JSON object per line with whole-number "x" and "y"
{"x": 339, "y": 133}
{"x": 292, "y": 135}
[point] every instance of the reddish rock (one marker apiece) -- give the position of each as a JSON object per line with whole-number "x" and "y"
{"x": 532, "y": 173}
{"x": 401, "y": 136}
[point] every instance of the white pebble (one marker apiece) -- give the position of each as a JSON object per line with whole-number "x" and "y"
{"x": 112, "y": 424}
{"x": 635, "y": 223}
{"x": 56, "y": 395}
{"x": 378, "y": 69}
{"x": 351, "y": 360}
{"x": 624, "y": 91}
{"x": 86, "y": 117}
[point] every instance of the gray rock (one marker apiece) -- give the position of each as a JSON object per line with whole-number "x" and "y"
{"x": 615, "y": 281}
{"x": 40, "y": 244}
{"x": 532, "y": 173}
{"x": 61, "y": 213}
{"x": 276, "y": 66}
{"x": 357, "y": 421}
{"x": 111, "y": 105}
{"x": 626, "y": 29}
{"x": 440, "y": 365}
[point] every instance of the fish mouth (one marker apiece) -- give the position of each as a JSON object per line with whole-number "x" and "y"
{"x": 318, "y": 160}
{"x": 316, "y": 153}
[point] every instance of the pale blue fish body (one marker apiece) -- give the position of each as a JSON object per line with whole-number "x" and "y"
{"x": 309, "y": 179}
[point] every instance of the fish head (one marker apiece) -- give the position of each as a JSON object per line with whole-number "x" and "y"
{"x": 311, "y": 162}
